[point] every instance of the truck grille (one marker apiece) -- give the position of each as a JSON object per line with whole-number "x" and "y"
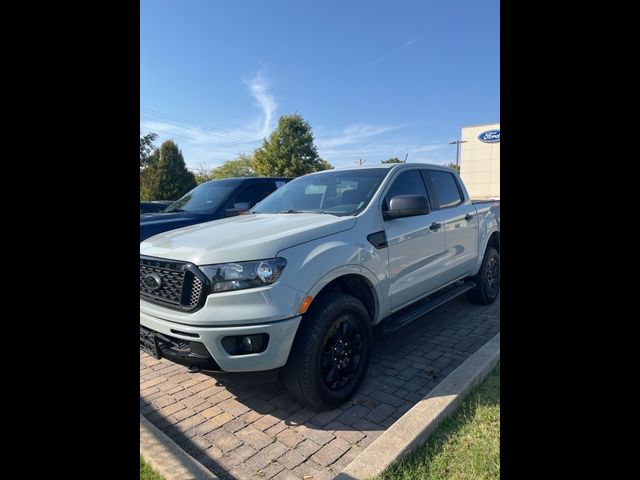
{"x": 177, "y": 285}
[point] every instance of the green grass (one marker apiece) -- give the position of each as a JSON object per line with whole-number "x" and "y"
{"x": 465, "y": 445}
{"x": 146, "y": 473}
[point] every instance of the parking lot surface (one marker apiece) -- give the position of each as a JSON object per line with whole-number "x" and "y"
{"x": 259, "y": 431}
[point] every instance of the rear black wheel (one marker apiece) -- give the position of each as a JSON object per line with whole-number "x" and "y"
{"x": 330, "y": 354}
{"x": 487, "y": 280}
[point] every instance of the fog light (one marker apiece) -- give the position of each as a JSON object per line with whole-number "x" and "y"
{"x": 245, "y": 344}
{"x": 251, "y": 343}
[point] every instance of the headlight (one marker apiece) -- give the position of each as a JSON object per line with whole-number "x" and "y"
{"x": 236, "y": 276}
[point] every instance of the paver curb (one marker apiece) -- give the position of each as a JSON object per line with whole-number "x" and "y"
{"x": 414, "y": 427}
{"x": 167, "y": 458}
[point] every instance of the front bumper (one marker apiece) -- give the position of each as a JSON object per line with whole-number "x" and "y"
{"x": 281, "y": 335}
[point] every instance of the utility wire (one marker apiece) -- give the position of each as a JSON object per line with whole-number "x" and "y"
{"x": 191, "y": 122}
{"x": 155, "y": 130}
{"x": 217, "y": 131}
{"x": 222, "y": 139}
{"x": 172, "y": 134}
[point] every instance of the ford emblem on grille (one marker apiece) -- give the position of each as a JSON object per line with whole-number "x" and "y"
{"x": 152, "y": 281}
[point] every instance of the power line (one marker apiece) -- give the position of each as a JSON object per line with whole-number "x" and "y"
{"x": 172, "y": 134}
{"x": 217, "y": 131}
{"x": 223, "y": 137}
{"x": 177, "y": 135}
{"x": 183, "y": 120}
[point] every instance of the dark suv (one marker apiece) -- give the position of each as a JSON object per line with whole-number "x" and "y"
{"x": 210, "y": 201}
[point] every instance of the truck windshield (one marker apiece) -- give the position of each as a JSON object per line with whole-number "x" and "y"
{"x": 204, "y": 198}
{"x": 335, "y": 192}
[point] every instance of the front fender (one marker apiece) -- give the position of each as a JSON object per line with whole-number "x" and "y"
{"x": 352, "y": 269}
{"x": 318, "y": 263}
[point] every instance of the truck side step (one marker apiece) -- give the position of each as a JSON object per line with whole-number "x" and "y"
{"x": 417, "y": 310}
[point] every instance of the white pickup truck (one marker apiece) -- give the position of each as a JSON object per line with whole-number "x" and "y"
{"x": 296, "y": 285}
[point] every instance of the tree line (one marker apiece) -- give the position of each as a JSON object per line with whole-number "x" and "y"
{"x": 288, "y": 152}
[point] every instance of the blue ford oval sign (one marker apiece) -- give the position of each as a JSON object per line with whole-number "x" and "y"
{"x": 490, "y": 136}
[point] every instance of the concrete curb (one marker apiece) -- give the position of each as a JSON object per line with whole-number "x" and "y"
{"x": 414, "y": 427}
{"x": 167, "y": 458}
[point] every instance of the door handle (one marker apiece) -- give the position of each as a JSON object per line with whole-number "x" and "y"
{"x": 435, "y": 227}
{"x": 468, "y": 217}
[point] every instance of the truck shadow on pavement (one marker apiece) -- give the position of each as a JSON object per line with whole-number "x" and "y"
{"x": 259, "y": 431}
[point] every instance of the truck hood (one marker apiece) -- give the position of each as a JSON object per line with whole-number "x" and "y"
{"x": 241, "y": 238}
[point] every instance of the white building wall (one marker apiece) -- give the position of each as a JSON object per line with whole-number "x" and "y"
{"x": 480, "y": 163}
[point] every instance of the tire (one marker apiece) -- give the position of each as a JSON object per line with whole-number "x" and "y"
{"x": 487, "y": 280}
{"x": 312, "y": 373}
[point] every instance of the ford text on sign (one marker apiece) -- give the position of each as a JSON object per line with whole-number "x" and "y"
{"x": 490, "y": 136}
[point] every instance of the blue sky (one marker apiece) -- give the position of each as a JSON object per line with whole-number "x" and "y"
{"x": 375, "y": 79}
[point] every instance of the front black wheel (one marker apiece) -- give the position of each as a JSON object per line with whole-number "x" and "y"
{"x": 487, "y": 279}
{"x": 330, "y": 355}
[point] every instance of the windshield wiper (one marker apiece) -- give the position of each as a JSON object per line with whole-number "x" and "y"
{"x": 301, "y": 211}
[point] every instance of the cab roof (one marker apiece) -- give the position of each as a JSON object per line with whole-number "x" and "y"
{"x": 389, "y": 166}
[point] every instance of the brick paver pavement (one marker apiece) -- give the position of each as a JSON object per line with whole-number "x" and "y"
{"x": 260, "y": 432}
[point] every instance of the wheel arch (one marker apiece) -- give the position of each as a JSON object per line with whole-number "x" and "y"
{"x": 492, "y": 240}
{"x": 353, "y": 280}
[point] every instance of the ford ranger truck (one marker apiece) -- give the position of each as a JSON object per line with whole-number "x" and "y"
{"x": 296, "y": 285}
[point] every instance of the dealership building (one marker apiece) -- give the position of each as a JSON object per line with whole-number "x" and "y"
{"x": 480, "y": 160}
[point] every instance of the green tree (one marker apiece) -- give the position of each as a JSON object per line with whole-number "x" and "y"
{"x": 146, "y": 147}
{"x": 454, "y": 166}
{"x": 289, "y": 151}
{"x": 166, "y": 176}
{"x": 392, "y": 160}
{"x": 240, "y": 167}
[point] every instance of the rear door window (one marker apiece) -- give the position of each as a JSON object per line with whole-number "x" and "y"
{"x": 445, "y": 188}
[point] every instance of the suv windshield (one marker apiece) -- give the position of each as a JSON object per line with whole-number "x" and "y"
{"x": 336, "y": 192}
{"x": 202, "y": 199}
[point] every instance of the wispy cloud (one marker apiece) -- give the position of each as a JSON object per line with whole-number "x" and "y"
{"x": 375, "y": 143}
{"x": 259, "y": 89}
{"x": 411, "y": 42}
{"x": 355, "y": 133}
{"x": 207, "y": 146}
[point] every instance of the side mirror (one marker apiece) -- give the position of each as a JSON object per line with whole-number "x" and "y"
{"x": 407, "y": 206}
